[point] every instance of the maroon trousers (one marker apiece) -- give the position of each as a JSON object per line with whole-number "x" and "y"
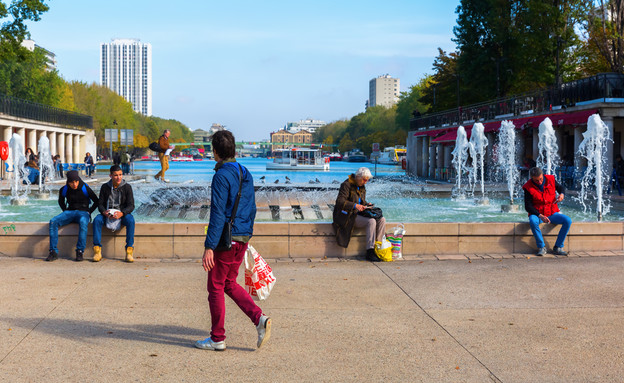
{"x": 222, "y": 279}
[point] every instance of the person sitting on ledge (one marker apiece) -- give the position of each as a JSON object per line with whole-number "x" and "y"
{"x": 350, "y": 204}
{"x": 116, "y": 203}
{"x": 540, "y": 202}
{"x": 77, "y": 209}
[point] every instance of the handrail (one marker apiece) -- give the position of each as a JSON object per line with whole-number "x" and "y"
{"x": 16, "y": 107}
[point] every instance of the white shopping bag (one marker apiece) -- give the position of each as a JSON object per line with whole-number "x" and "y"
{"x": 259, "y": 278}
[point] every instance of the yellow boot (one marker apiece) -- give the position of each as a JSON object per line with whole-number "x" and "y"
{"x": 97, "y": 253}
{"x": 129, "y": 251}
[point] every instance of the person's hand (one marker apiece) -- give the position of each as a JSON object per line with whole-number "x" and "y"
{"x": 208, "y": 260}
{"x": 107, "y": 213}
{"x": 360, "y": 207}
{"x": 544, "y": 218}
{"x": 117, "y": 215}
{"x": 560, "y": 198}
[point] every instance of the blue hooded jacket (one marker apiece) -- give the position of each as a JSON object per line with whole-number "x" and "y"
{"x": 223, "y": 193}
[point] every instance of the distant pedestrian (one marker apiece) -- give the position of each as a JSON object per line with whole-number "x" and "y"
{"x": 222, "y": 265}
{"x": 125, "y": 163}
{"x": 163, "y": 143}
{"x": 89, "y": 165}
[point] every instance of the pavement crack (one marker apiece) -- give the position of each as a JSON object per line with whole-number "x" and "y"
{"x": 493, "y": 377}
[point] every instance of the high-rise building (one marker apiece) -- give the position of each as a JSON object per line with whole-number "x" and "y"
{"x": 384, "y": 90}
{"x": 49, "y": 55}
{"x": 126, "y": 69}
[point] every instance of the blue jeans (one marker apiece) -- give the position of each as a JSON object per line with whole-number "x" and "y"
{"x": 126, "y": 220}
{"x": 65, "y": 218}
{"x": 555, "y": 219}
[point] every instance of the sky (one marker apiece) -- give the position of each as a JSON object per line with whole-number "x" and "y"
{"x": 254, "y": 66}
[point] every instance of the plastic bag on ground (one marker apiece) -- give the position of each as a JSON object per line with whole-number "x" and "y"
{"x": 383, "y": 250}
{"x": 259, "y": 278}
{"x": 396, "y": 239}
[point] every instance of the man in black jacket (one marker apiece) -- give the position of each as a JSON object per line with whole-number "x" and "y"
{"x": 116, "y": 203}
{"x": 74, "y": 199}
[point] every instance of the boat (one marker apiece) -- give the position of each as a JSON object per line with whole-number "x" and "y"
{"x": 298, "y": 159}
{"x": 355, "y": 155}
{"x": 335, "y": 156}
{"x": 392, "y": 155}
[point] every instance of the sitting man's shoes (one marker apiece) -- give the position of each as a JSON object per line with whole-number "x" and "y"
{"x": 559, "y": 251}
{"x": 208, "y": 344}
{"x": 53, "y": 256}
{"x": 371, "y": 256}
{"x": 97, "y": 253}
{"x": 129, "y": 253}
{"x": 541, "y": 252}
{"x": 79, "y": 255}
{"x": 264, "y": 330}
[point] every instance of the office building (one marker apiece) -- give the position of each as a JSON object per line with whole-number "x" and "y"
{"x": 308, "y": 124}
{"x": 50, "y": 56}
{"x": 384, "y": 90}
{"x": 126, "y": 69}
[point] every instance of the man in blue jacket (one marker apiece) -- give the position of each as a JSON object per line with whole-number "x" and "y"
{"x": 222, "y": 266}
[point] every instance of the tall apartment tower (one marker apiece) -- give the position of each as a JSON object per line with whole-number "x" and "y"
{"x": 384, "y": 90}
{"x": 126, "y": 69}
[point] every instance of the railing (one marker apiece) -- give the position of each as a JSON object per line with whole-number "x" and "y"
{"x": 16, "y": 107}
{"x": 603, "y": 86}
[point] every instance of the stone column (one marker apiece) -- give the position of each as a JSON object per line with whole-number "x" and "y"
{"x": 578, "y": 138}
{"x": 22, "y": 133}
{"x": 609, "y": 152}
{"x": 448, "y": 149}
{"x": 424, "y": 170}
{"x": 52, "y": 138}
{"x": 7, "y": 132}
{"x": 535, "y": 144}
{"x": 60, "y": 147}
{"x": 69, "y": 150}
{"x": 559, "y": 135}
{"x": 432, "y": 160}
{"x": 77, "y": 152}
{"x": 32, "y": 140}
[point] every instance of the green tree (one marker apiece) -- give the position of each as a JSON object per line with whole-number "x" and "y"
{"x": 346, "y": 143}
{"x": 409, "y": 103}
{"x": 441, "y": 93}
{"x": 604, "y": 27}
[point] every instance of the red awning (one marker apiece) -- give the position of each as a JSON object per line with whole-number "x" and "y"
{"x": 451, "y": 136}
{"x": 563, "y": 118}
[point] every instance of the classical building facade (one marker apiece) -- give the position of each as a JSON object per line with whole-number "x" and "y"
{"x": 126, "y": 69}
{"x": 384, "y": 90}
{"x": 283, "y": 139}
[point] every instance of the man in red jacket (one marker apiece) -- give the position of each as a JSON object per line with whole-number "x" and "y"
{"x": 540, "y": 201}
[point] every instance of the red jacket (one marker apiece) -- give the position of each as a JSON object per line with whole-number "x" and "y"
{"x": 544, "y": 201}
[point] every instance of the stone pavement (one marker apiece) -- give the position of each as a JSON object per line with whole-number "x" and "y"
{"x": 477, "y": 320}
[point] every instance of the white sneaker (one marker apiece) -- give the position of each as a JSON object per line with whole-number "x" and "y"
{"x": 166, "y": 181}
{"x": 208, "y": 344}
{"x": 264, "y": 330}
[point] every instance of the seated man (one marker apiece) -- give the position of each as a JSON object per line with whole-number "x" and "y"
{"x": 540, "y": 201}
{"x": 77, "y": 194}
{"x": 116, "y": 202}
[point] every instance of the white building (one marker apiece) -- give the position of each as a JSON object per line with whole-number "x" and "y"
{"x": 384, "y": 90}
{"x": 50, "y": 56}
{"x": 126, "y": 69}
{"x": 308, "y": 124}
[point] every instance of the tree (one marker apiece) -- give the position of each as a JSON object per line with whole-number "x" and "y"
{"x": 442, "y": 91}
{"x": 13, "y": 29}
{"x": 346, "y": 143}
{"x": 409, "y": 104}
{"x": 604, "y": 27}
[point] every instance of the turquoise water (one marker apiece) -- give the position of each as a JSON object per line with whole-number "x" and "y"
{"x": 400, "y": 201}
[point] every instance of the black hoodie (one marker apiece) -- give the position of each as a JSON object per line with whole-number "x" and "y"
{"x": 76, "y": 199}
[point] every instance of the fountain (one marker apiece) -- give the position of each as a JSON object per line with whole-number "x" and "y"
{"x": 478, "y": 145}
{"x": 593, "y": 147}
{"x": 19, "y": 192}
{"x": 507, "y": 161}
{"x": 46, "y": 168}
{"x": 460, "y": 157}
{"x": 548, "y": 159}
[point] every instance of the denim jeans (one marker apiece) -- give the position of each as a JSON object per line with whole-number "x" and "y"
{"x": 555, "y": 219}
{"x": 126, "y": 220}
{"x": 65, "y": 218}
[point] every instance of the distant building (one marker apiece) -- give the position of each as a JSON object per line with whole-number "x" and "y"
{"x": 50, "y": 56}
{"x": 126, "y": 69}
{"x": 201, "y": 135}
{"x": 384, "y": 90}
{"x": 283, "y": 139}
{"x": 308, "y": 124}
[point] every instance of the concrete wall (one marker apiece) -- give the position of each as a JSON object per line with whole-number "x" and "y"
{"x": 314, "y": 240}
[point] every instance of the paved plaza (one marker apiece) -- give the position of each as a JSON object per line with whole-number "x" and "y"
{"x": 479, "y": 320}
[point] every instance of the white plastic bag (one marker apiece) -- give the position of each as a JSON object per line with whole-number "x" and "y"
{"x": 396, "y": 238}
{"x": 259, "y": 278}
{"x": 113, "y": 224}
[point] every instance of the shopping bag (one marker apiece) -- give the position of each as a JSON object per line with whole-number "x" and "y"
{"x": 383, "y": 250}
{"x": 259, "y": 278}
{"x": 396, "y": 239}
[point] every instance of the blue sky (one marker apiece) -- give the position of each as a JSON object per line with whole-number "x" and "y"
{"x": 253, "y": 66}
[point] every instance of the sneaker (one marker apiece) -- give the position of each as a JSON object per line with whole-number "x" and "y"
{"x": 129, "y": 252}
{"x": 208, "y": 344}
{"x": 165, "y": 180}
{"x": 97, "y": 253}
{"x": 371, "y": 256}
{"x": 541, "y": 252}
{"x": 52, "y": 256}
{"x": 559, "y": 251}
{"x": 79, "y": 255}
{"x": 264, "y": 330}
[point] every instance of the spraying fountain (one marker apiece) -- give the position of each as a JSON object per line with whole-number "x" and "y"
{"x": 548, "y": 159}
{"x": 477, "y": 146}
{"x": 460, "y": 158}
{"x": 593, "y": 148}
{"x": 21, "y": 185}
{"x": 507, "y": 161}
{"x": 46, "y": 168}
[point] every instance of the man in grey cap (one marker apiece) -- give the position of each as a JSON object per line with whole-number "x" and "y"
{"x": 74, "y": 199}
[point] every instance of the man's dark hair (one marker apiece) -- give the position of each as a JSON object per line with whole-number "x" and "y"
{"x": 115, "y": 168}
{"x": 535, "y": 172}
{"x": 618, "y": 157}
{"x": 224, "y": 144}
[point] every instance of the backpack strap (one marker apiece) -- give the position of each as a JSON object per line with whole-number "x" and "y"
{"x": 84, "y": 190}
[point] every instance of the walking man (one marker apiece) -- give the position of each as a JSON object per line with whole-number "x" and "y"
{"x": 163, "y": 143}
{"x": 74, "y": 199}
{"x": 116, "y": 203}
{"x": 540, "y": 202}
{"x": 230, "y": 180}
